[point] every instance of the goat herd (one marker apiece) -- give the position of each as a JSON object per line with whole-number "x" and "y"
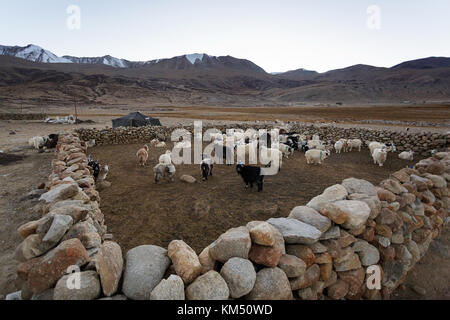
{"x": 246, "y": 143}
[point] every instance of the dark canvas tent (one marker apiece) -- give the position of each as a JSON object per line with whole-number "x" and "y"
{"x": 135, "y": 119}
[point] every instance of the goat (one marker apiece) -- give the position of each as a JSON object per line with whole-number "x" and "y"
{"x": 163, "y": 170}
{"x": 354, "y": 143}
{"x": 95, "y": 166}
{"x": 206, "y": 168}
{"x": 379, "y": 156}
{"x": 104, "y": 170}
{"x": 251, "y": 175}
{"x": 166, "y": 158}
{"x": 316, "y": 156}
{"x": 142, "y": 155}
{"x": 52, "y": 141}
{"x": 407, "y": 155}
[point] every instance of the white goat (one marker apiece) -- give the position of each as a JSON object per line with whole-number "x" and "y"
{"x": 354, "y": 143}
{"x": 379, "y": 156}
{"x": 339, "y": 145}
{"x": 166, "y": 158}
{"x": 407, "y": 155}
{"x": 37, "y": 142}
{"x": 316, "y": 156}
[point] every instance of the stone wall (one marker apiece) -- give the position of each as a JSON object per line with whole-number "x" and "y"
{"x": 320, "y": 251}
{"x": 23, "y": 116}
{"x": 421, "y": 143}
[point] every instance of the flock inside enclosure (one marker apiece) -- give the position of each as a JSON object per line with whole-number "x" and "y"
{"x": 320, "y": 251}
{"x": 270, "y": 147}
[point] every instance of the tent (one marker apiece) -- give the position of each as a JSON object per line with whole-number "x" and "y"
{"x": 135, "y": 119}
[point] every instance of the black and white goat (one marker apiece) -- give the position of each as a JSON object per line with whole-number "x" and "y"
{"x": 251, "y": 175}
{"x": 95, "y": 167}
{"x": 206, "y": 168}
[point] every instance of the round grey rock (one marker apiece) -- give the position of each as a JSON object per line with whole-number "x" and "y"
{"x": 240, "y": 276}
{"x": 210, "y": 286}
{"x": 144, "y": 270}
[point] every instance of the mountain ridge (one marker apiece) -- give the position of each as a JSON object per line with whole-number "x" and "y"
{"x": 204, "y": 79}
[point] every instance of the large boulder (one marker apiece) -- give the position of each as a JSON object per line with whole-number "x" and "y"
{"x": 438, "y": 181}
{"x": 292, "y": 265}
{"x": 353, "y": 185}
{"x": 169, "y": 289}
{"x": 235, "y": 242}
{"x": 61, "y": 192}
{"x": 77, "y": 212}
{"x": 307, "y": 279}
{"x": 265, "y": 255}
{"x": 32, "y": 247}
{"x": 261, "y": 233}
{"x": 89, "y": 287}
{"x": 303, "y": 252}
{"x": 109, "y": 265}
{"x": 358, "y": 212}
{"x": 331, "y": 194}
{"x": 207, "y": 262}
{"x": 338, "y": 290}
{"x": 52, "y": 266}
{"x": 60, "y": 225}
{"x": 368, "y": 254}
{"x": 373, "y": 202}
{"x": 210, "y": 286}
{"x": 393, "y": 186}
{"x": 185, "y": 260}
{"x": 271, "y": 284}
{"x": 188, "y": 179}
{"x": 311, "y": 217}
{"x": 240, "y": 276}
{"x": 145, "y": 268}
{"x": 295, "y": 231}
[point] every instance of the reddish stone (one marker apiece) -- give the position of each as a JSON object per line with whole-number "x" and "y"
{"x": 54, "y": 264}
{"x": 267, "y": 256}
{"x": 302, "y": 252}
{"x": 338, "y": 290}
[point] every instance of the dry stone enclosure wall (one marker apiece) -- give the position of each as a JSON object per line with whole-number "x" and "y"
{"x": 322, "y": 250}
{"x": 420, "y": 143}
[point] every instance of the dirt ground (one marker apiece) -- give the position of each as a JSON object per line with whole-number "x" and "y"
{"x": 430, "y": 277}
{"x": 139, "y": 212}
{"x": 17, "y": 179}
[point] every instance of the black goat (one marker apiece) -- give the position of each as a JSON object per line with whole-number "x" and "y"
{"x": 251, "y": 175}
{"x": 52, "y": 141}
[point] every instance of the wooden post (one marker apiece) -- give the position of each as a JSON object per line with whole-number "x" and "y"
{"x": 75, "y": 104}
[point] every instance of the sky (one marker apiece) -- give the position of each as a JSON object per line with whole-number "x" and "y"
{"x": 277, "y": 35}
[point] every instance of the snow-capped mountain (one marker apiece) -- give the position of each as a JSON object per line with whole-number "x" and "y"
{"x": 32, "y": 53}
{"x": 190, "y": 61}
{"x": 106, "y": 60}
